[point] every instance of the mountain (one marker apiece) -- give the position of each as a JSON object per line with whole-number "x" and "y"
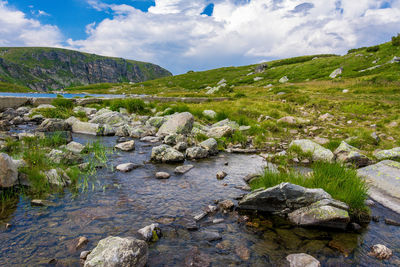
{"x": 44, "y": 69}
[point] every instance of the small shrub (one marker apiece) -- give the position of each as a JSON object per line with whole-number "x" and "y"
{"x": 396, "y": 40}
{"x": 239, "y": 95}
{"x": 133, "y": 105}
{"x": 221, "y": 115}
{"x": 332, "y": 144}
{"x": 373, "y": 48}
{"x": 63, "y": 103}
{"x": 201, "y": 137}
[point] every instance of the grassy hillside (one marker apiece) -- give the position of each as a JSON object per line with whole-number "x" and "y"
{"x": 43, "y": 69}
{"x": 361, "y": 102}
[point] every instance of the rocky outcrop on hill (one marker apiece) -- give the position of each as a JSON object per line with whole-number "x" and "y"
{"x": 43, "y": 69}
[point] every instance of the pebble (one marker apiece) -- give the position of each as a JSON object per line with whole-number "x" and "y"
{"x": 162, "y": 175}
{"x": 221, "y": 175}
{"x": 216, "y": 221}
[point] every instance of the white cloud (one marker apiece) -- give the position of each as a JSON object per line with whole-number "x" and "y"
{"x": 17, "y": 30}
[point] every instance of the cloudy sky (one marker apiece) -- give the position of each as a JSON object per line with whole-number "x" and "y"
{"x": 183, "y": 35}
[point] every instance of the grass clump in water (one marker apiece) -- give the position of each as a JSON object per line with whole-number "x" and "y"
{"x": 340, "y": 182}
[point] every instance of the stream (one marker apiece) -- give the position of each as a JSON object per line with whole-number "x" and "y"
{"x": 121, "y": 203}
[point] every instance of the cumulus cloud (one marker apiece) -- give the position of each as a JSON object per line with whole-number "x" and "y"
{"x": 17, "y": 30}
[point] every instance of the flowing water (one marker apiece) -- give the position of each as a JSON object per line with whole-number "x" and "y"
{"x": 65, "y": 95}
{"x": 121, "y": 203}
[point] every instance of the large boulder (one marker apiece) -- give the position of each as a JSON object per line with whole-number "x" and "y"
{"x": 384, "y": 183}
{"x": 8, "y": 171}
{"x": 196, "y": 152}
{"x": 303, "y": 206}
{"x": 319, "y": 153}
{"x": 336, "y": 73}
{"x": 348, "y": 154}
{"x": 210, "y": 145}
{"x": 87, "y": 128}
{"x": 181, "y": 123}
{"x": 142, "y": 131}
{"x": 393, "y": 153}
{"x": 156, "y": 121}
{"x": 118, "y": 252}
{"x": 111, "y": 118}
{"x": 166, "y": 154}
{"x": 53, "y": 125}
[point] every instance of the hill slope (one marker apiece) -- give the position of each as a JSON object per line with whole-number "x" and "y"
{"x": 44, "y": 69}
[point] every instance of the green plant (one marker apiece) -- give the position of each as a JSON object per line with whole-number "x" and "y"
{"x": 221, "y": 115}
{"x": 63, "y": 103}
{"x": 396, "y": 40}
{"x": 373, "y": 48}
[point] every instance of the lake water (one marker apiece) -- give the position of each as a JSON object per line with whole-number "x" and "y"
{"x": 119, "y": 204}
{"x": 49, "y": 95}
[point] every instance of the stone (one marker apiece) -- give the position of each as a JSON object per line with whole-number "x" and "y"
{"x": 348, "y": 154}
{"x": 211, "y": 114}
{"x": 162, "y": 175}
{"x": 125, "y": 167}
{"x": 345, "y": 91}
{"x": 75, "y": 147}
{"x": 196, "y": 258}
{"x": 256, "y": 79}
{"x": 57, "y": 177}
{"x": 288, "y": 119}
{"x": 118, "y": 252}
{"x": 181, "y": 123}
{"x": 319, "y": 153}
{"x": 207, "y": 235}
{"x": 82, "y": 241}
{"x": 87, "y": 128}
{"x": 8, "y": 171}
{"x": 183, "y": 169}
{"x": 284, "y": 79}
{"x": 166, "y": 154}
{"x": 210, "y": 145}
{"x": 221, "y": 175}
{"x": 321, "y": 140}
{"x": 126, "y": 146}
{"x": 226, "y": 205}
{"x": 111, "y": 118}
{"x": 261, "y": 68}
{"x": 392, "y": 222}
{"x": 393, "y": 153}
{"x": 324, "y": 213}
{"x": 42, "y": 203}
{"x": 53, "y": 125}
{"x": 181, "y": 146}
{"x": 196, "y": 153}
{"x": 227, "y": 122}
{"x": 108, "y": 130}
{"x": 326, "y": 117}
{"x": 384, "y": 183}
{"x": 243, "y": 252}
{"x": 220, "y": 131}
{"x": 302, "y": 260}
{"x": 43, "y": 106}
{"x": 380, "y": 252}
{"x": 142, "y": 131}
{"x": 156, "y": 121}
{"x": 250, "y": 177}
{"x": 336, "y": 73}
{"x": 150, "y": 139}
{"x": 149, "y": 231}
{"x": 84, "y": 254}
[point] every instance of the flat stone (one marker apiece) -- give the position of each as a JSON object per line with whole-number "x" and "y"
{"x": 42, "y": 203}
{"x": 126, "y": 146}
{"x": 162, "y": 175}
{"x": 126, "y": 167}
{"x": 75, "y": 147}
{"x": 183, "y": 169}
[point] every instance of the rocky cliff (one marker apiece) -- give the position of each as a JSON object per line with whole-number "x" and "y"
{"x": 44, "y": 69}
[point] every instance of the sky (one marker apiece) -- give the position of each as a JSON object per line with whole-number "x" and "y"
{"x": 183, "y": 35}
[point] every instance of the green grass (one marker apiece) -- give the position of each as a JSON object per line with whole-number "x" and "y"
{"x": 340, "y": 182}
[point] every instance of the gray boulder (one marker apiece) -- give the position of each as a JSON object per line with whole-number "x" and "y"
{"x": 166, "y": 154}
{"x": 209, "y": 114}
{"x": 156, "y": 121}
{"x": 142, "y": 131}
{"x": 196, "y": 153}
{"x": 220, "y": 131}
{"x": 210, "y": 145}
{"x": 126, "y": 146}
{"x": 261, "y": 68}
{"x": 319, "y": 153}
{"x": 8, "y": 171}
{"x": 118, "y": 252}
{"x": 183, "y": 169}
{"x": 111, "y": 118}
{"x": 57, "y": 177}
{"x": 284, "y": 79}
{"x": 336, "y": 73}
{"x": 75, "y": 147}
{"x": 348, "y": 154}
{"x": 87, "y": 128}
{"x": 181, "y": 123}
{"x": 302, "y": 260}
{"x": 53, "y": 125}
{"x": 181, "y": 146}
{"x": 227, "y": 122}
{"x": 393, "y": 153}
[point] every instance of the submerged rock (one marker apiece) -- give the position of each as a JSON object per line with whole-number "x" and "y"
{"x": 302, "y": 260}
{"x": 117, "y": 252}
{"x": 319, "y": 153}
{"x": 381, "y": 252}
{"x": 166, "y": 154}
{"x": 8, "y": 171}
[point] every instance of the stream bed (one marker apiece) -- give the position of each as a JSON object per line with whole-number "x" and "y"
{"x": 118, "y": 204}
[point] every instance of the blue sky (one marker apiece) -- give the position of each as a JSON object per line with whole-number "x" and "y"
{"x": 183, "y": 35}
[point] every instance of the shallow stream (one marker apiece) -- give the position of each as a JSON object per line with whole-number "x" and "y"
{"x": 121, "y": 203}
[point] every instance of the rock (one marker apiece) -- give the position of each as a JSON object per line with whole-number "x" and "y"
{"x": 345, "y": 91}
{"x": 218, "y": 132}
{"x": 336, "y": 73}
{"x": 242, "y": 252}
{"x": 162, "y": 175}
{"x": 256, "y": 79}
{"x": 108, "y": 130}
{"x": 156, "y": 121}
{"x": 321, "y": 140}
{"x": 196, "y": 258}
{"x": 117, "y": 252}
{"x": 150, "y": 139}
{"x": 123, "y": 130}
{"x": 181, "y": 146}
{"x": 384, "y": 185}
{"x": 84, "y": 254}
{"x": 42, "y": 203}
{"x": 284, "y": 79}
{"x": 293, "y": 121}
{"x": 126, "y": 167}
{"x": 221, "y": 175}
{"x": 233, "y": 124}
{"x": 57, "y": 177}
{"x": 43, "y": 106}
{"x": 142, "y": 131}
{"x": 324, "y": 213}
{"x": 75, "y": 147}
{"x": 380, "y": 252}
{"x": 53, "y": 125}
{"x": 126, "y": 146}
{"x": 8, "y": 171}
{"x": 226, "y": 205}
{"x": 181, "y": 123}
{"x": 244, "y": 128}
{"x": 302, "y": 260}
{"x": 376, "y": 138}
{"x": 261, "y": 68}
{"x": 210, "y": 145}
{"x": 319, "y": 153}
{"x": 346, "y": 153}
{"x": 68, "y": 157}
{"x": 395, "y": 60}
{"x": 166, "y": 154}
{"x": 196, "y": 153}
{"x": 150, "y": 232}
{"x": 211, "y": 114}
{"x": 392, "y": 222}
{"x": 183, "y": 169}
{"x": 87, "y": 128}
{"x": 110, "y": 118}
{"x": 393, "y": 153}
{"x": 326, "y": 117}
{"x": 200, "y": 215}
{"x": 82, "y": 241}
{"x": 207, "y": 235}
{"x": 250, "y": 177}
